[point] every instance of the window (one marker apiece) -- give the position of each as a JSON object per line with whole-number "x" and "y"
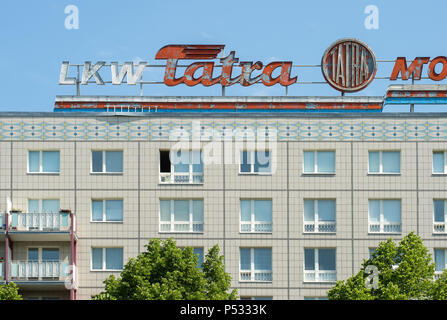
{"x": 43, "y": 254}
{"x": 384, "y": 216}
{"x": 181, "y": 215}
{"x": 319, "y": 162}
{"x": 440, "y": 261}
{"x": 371, "y": 252}
{"x": 319, "y": 265}
{"x": 316, "y": 298}
{"x": 110, "y": 259}
{"x": 43, "y": 162}
{"x": 319, "y": 216}
{"x": 183, "y": 166}
{"x": 256, "y": 298}
{"x": 439, "y": 215}
{"x": 256, "y": 215}
{"x": 256, "y": 264}
{"x": 43, "y": 206}
{"x": 107, "y": 210}
{"x": 439, "y": 162}
{"x": 256, "y": 162}
{"x": 384, "y": 162}
{"x": 107, "y": 161}
{"x": 199, "y": 252}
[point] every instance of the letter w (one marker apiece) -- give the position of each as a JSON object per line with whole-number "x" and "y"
{"x": 127, "y": 69}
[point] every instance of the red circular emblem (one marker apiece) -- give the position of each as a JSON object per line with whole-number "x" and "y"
{"x": 349, "y": 65}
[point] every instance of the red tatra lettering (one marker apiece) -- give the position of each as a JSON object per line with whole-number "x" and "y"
{"x": 227, "y": 70}
{"x": 415, "y": 68}
{"x": 432, "y": 74}
{"x": 205, "y": 78}
{"x": 247, "y": 70}
{"x": 283, "y": 79}
{"x": 171, "y": 67}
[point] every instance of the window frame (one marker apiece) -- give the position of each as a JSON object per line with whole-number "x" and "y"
{"x": 40, "y": 252}
{"x": 444, "y": 153}
{"x": 104, "y": 264}
{"x": 316, "y": 222}
{"x": 191, "y": 172}
{"x": 438, "y": 273}
{"x": 41, "y": 162}
{"x": 252, "y": 217}
{"x": 381, "y": 163}
{"x": 104, "y": 211}
{"x": 251, "y": 153}
{"x": 316, "y": 172}
{"x": 381, "y": 218}
{"x": 40, "y": 200}
{"x": 252, "y": 265}
{"x": 445, "y": 217}
{"x": 104, "y": 153}
{"x": 317, "y": 266}
{"x": 172, "y": 215}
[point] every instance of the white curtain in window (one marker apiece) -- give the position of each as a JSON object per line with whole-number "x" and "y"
{"x": 438, "y": 162}
{"x": 391, "y": 161}
{"x": 309, "y": 161}
{"x": 439, "y": 259}
{"x": 181, "y": 210}
{"x": 326, "y": 161}
{"x": 263, "y": 210}
{"x": 374, "y": 161}
{"x": 374, "y": 211}
{"x": 50, "y": 161}
{"x": 309, "y": 210}
{"x": 391, "y": 211}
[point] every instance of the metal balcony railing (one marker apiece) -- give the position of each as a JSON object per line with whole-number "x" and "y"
{"x": 385, "y": 228}
{"x": 320, "y": 226}
{"x": 39, "y": 270}
{"x": 257, "y": 275}
{"x": 257, "y": 226}
{"x": 438, "y": 274}
{"x": 181, "y": 177}
{"x": 181, "y": 226}
{"x": 320, "y": 276}
{"x": 439, "y": 227}
{"x": 2, "y": 221}
{"x": 40, "y": 221}
{"x": 2, "y": 271}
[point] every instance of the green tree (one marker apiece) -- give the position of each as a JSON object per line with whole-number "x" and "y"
{"x": 165, "y": 272}
{"x": 9, "y": 291}
{"x": 406, "y": 271}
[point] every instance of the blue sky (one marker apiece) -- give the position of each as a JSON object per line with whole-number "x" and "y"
{"x": 34, "y": 40}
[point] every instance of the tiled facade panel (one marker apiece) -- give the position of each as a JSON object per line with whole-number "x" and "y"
{"x": 141, "y": 139}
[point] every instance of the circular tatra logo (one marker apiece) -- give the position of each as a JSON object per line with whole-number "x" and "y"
{"x": 349, "y": 65}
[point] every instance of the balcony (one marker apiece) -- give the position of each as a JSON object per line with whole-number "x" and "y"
{"x": 256, "y": 227}
{"x": 320, "y": 276}
{"x": 2, "y": 272}
{"x": 2, "y": 221}
{"x": 49, "y": 275}
{"x": 256, "y": 276}
{"x": 181, "y": 178}
{"x": 319, "y": 227}
{"x": 41, "y": 226}
{"x": 394, "y": 227}
{"x": 439, "y": 227}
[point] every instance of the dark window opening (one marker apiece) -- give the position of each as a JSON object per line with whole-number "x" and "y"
{"x": 165, "y": 162}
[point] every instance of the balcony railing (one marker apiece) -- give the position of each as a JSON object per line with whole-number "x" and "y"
{"x": 257, "y": 275}
{"x": 181, "y": 177}
{"x": 39, "y": 270}
{"x": 439, "y": 227}
{"x": 385, "y": 228}
{"x": 2, "y": 271}
{"x": 438, "y": 274}
{"x": 2, "y": 221}
{"x": 257, "y": 226}
{"x": 40, "y": 221}
{"x": 181, "y": 226}
{"x": 320, "y": 276}
{"x": 320, "y": 226}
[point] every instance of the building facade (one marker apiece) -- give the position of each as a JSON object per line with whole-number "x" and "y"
{"x": 294, "y": 200}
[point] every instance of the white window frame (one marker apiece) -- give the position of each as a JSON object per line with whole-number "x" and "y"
{"x": 381, "y": 218}
{"x": 40, "y": 204}
{"x": 440, "y": 224}
{"x": 39, "y": 252}
{"x": 316, "y": 222}
{"x": 104, "y": 220}
{"x": 253, "y": 222}
{"x": 172, "y": 222}
{"x": 252, "y": 270}
{"x": 439, "y": 273}
{"x": 104, "y": 259}
{"x": 381, "y": 163}
{"x": 316, "y": 172}
{"x": 171, "y": 175}
{"x": 104, "y": 152}
{"x": 316, "y": 271}
{"x": 251, "y": 158}
{"x": 41, "y": 162}
{"x": 444, "y": 153}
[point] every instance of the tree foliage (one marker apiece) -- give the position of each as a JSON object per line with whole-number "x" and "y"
{"x": 406, "y": 271}
{"x": 9, "y": 291}
{"x": 165, "y": 272}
